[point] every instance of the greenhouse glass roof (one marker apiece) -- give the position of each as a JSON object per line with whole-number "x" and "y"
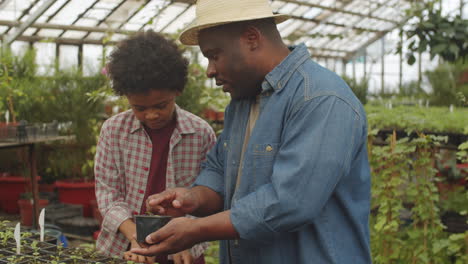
{"x": 336, "y": 29}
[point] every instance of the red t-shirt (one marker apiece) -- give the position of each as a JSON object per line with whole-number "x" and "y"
{"x": 157, "y": 173}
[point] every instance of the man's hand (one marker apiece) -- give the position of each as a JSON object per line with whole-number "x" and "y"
{"x": 135, "y": 257}
{"x": 174, "y": 202}
{"x": 179, "y": 234}
{"x": 183, "y": 257}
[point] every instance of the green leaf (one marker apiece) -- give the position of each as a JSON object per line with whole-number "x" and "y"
{"x": 438, "y": 48}
{"x": 411, "y": 59}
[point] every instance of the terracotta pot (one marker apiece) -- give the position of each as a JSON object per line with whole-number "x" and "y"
{"x": 26, "y": 210}
{"x": 220, "y": 116}
{"x": 10, "y": 189}
{"x": 77, "y": 193}
{"x": 46, "y": 187}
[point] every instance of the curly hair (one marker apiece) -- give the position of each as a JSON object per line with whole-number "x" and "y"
{"x": 147, "y": 61}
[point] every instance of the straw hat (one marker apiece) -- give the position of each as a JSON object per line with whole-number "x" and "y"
{"x": 210, "y": 13}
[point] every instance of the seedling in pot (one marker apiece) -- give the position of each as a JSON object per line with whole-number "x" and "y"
{"x": 117, "y": 261}
{"x": 87, "y": 253}
{"x": 5, "y": 237}
{"x": 17, "y": 259}
{"x": 147, "y": 224}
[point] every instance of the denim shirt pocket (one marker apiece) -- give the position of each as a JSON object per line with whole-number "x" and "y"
{"x": 264, "y": 155}
{"x": 225, "y": 145}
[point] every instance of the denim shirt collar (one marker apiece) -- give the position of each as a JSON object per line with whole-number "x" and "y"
{"x": 280, "y": 75}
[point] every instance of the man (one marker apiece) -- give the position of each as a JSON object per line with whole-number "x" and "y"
{"x": 288, "y": 180}
{"x": 150, "y": 147}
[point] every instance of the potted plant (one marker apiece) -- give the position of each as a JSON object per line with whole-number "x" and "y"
{"x": 147, "y": 224}
{"x": 26, "y": 210}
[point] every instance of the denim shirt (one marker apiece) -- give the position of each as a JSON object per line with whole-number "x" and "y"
{"x": 304, "y": 195}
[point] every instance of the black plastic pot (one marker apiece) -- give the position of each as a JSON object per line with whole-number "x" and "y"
{"x": 147, "y": 224}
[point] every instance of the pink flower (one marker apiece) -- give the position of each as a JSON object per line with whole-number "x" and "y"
{"x": 104, "y": 70}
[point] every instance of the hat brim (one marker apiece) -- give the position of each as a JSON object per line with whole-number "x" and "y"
{"x": 189, "y": 36}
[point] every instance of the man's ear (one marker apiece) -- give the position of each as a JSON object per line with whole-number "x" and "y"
{"x": 252, "y": 37}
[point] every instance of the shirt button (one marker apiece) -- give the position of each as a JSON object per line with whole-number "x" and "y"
{"x": 141, "y": 191}
{"x": 269, "y": 148}
{"x": 145, "y": 168}
{"x": 225, "y": 144}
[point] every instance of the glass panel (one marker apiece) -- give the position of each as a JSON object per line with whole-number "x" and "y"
{"x": 313, "y": 12}
{"x": 167, "y": 15}
{"x": 74, "y": 34}
{"x": 92, "y": 59}
{"x": 148, "y": 12}
{"x": 71, "y": 11}
{"x": 28, "y": 32}
{"x": 68, "y": 57}
{"x": 45, "y": 58}
{"x": 49, "y": 32}
{"x": 98, "y": 14}
{"x": 288, "y": 8}
{"x": 131, "y": 26}
{"x": 86, "y": 22}
{"x": 301, "y": 10}
{"x": 3, "y": 29}
{"x": 95, "y": 36}
{"x": 182, "y": 21}
{"x": 120, "y": 15}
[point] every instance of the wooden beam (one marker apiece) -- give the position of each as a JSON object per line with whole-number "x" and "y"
{"x": 321, "y": 22}
{"x": 106, "y": 17}
{"x": 81, "y": 15}
{"x": 63, "y": 41}
{"x": 53, "y": 15}
{"x": 142, "y": 6}
{"x": 375, "y": 38}
{"x": 173, "y": 20}
{"x": 63, "y": 27}
{"x": 340, "y": 10}
{"x": 31, "y": 19}
{"x": 24, "y": 13}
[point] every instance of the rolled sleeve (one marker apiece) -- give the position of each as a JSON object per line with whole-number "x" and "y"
{"x": 115, "y": 216}
{"x": 318, "y": 141}
{"x": 109, "y": 185}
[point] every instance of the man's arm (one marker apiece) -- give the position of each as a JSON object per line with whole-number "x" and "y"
{"x": 209, "y": 201}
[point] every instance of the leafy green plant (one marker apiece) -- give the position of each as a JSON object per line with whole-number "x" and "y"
{"x": 462, "y": 154}
{"x": 446, "y": 87}
{"x": 403, "y": 180}
{"x": 415, "y": 118}
{"x": 212, "y": 253}
{"x": 359, "y": 87}
{"x": 441, "y": 35}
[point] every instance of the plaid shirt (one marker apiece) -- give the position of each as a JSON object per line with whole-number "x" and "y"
{"x": 122, "y": 163}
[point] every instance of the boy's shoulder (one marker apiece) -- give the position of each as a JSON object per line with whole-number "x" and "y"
{"x": 121, "y": 120}
{"x": 189, "y": 119}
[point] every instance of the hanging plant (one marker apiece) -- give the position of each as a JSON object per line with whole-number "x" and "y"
{"x": 440, "y": 35}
